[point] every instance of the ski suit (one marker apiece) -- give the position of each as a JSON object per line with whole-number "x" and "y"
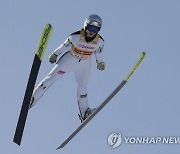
{"x": 75, "y": 57}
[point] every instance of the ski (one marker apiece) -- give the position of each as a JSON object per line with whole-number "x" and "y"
{"x": 125, "y": 80}
{"x": 31, "y": 82}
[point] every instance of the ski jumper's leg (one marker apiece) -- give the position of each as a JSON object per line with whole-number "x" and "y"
{"x": 82, "y": 75}
{"x": 62, "y": 66}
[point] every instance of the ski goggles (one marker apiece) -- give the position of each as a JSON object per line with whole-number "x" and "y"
{"x": 92, "y": 28}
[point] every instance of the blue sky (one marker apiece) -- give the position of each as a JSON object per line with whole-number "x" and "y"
{"x": 147, "y": 106}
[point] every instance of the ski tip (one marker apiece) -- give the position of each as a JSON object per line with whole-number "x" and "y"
{"x": 137, "y": 64}
{"x": 48, "y": 24}
{"x": 143, "y": 54}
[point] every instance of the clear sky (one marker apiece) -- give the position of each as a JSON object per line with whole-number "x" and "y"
{"x": 148, "y": 105}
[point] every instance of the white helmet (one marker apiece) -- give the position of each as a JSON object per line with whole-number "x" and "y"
{"x": 93, "y": 23}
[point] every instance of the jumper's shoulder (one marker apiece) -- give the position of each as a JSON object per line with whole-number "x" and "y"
{"x": 78, "y": 32}
{"x": 101, "y": 41}
{"x": 101, "y": 38}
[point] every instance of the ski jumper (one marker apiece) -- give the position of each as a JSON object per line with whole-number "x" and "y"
{"x": 76, "y": 57}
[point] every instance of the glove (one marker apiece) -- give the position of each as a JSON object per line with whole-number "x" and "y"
{"x": 101, "y": 66}
{"x": 52, "y": 58}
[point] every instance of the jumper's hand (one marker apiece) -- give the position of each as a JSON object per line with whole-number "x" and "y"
{"x": 101, "y": 66}
{"x": 52, "y": 58}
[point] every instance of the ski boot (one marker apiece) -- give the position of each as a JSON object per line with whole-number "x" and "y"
{"x": 87, "y": 113}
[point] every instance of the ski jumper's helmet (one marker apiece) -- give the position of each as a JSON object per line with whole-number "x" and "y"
{"x": 93, "y": 23}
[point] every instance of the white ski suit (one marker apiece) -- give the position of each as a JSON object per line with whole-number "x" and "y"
{"x": 76, "y": 57}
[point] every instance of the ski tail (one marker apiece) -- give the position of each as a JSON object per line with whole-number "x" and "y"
{"x": 107, "y": 100}
{"x": 31, "y": 82}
